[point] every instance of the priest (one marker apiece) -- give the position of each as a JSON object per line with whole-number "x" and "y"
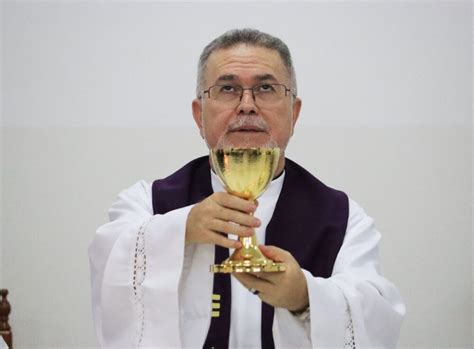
{"x": 151, "y": 285}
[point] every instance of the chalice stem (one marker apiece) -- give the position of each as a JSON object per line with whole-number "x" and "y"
{"x": 249, "y": 244}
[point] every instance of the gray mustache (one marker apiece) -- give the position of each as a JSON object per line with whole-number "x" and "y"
{"x": 246, "y": 120}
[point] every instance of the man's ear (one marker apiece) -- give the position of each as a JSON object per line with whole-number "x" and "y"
{"x": 197, "y": 114}
{"x": 296, "y": 112}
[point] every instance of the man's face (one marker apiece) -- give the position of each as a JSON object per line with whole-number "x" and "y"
{"x": 248, "y": 124}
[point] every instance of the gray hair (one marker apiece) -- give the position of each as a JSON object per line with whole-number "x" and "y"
{"x": 247, "y": 36}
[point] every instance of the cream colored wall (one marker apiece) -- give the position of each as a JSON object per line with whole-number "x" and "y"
{"x": 97, "y": 96}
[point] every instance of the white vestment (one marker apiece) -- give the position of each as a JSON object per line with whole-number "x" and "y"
{"x": 150, "y": 291}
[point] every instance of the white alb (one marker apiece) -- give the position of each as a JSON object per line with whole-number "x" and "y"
{"x": 149, "y": 291}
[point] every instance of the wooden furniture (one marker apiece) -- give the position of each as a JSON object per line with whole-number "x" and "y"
{"x": 5, "y": 308}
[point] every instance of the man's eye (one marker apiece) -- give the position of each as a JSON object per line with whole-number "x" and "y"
{"x": 227, "y": 88}
{"x": 266, "y": 88}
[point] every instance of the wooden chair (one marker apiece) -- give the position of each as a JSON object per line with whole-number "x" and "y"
{"x": 5, "y": 329}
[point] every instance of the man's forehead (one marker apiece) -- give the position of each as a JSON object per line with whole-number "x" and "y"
{"x": 257, "y": 77}
{"x": 258, "y": 63}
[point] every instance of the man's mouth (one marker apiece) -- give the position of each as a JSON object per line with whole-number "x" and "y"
{"x": 247, "y": 129}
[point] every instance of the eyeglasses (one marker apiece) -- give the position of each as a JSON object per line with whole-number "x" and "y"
{"x": 263, "y": 94}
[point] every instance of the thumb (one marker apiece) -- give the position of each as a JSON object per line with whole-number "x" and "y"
{"x": 276, "y": 254}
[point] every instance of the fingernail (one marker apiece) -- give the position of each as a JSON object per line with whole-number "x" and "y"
{"x": 257, "y": 222}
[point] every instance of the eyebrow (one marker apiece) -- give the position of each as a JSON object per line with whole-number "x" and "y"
{"x": 266, "y": 77}
{"x": 233, "y": 77}
{"x": 226, "y": 77}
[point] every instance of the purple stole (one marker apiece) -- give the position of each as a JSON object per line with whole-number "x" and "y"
{"x": 309, "y": 221}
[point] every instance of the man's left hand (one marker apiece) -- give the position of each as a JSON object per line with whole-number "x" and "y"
{"x": 287, "y": 289}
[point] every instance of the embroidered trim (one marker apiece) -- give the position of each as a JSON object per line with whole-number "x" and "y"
{"x": 349, "y": 342}
{"x": 139, "y": 273}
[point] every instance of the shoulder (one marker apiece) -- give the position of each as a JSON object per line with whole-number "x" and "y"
{"x": 310, "y": 186}
{"x": 357, "y": 214}
{"x": 182, "y": 173}
{"x": 140, "y": 190}
{"x": 135, "y": 199}
{"x": 361, "y": 226}
{"x": 305, "y": 177}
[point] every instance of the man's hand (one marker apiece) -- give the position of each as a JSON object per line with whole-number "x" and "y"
{"x": 221, "y": 213}
{"x": 287, "y": 289}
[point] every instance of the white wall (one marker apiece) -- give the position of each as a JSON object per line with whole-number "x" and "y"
{"x": 96, "y": 94}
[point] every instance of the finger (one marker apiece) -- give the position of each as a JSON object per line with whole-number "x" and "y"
{"x": 231, "y": 215}
{"x": 221, "y": 240}
{"x": 251, "y": 281}
{"x": 276, "y": 254}
{"x": 234, "y": 202}
{"x": 231, "y": 228}
{"x": 274, "y": 278}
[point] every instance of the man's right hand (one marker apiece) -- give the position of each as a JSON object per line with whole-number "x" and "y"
{"x": 221, "y": 213}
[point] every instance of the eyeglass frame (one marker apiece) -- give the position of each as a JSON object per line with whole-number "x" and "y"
{"x": 208, "y": 91}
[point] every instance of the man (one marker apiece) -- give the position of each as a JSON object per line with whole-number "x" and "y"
{"x": 151, "y": 285}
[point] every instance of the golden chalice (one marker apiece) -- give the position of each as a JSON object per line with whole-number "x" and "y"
{"x": 246, "y": 172}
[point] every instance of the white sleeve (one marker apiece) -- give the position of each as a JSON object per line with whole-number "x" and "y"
{"x": 136, "y": 262}
{"x": 3, "y": 345}
{"x": 356, "y": 307}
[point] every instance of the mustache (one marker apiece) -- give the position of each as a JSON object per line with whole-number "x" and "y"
{"x": 248, "y": 121}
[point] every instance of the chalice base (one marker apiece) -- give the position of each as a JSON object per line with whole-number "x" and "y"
{"x": 248, "y": 266}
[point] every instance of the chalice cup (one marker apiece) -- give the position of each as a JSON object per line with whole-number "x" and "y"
{"x": 246, "y": 172}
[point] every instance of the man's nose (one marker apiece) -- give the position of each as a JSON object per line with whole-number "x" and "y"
{"x": 247, "y": 103}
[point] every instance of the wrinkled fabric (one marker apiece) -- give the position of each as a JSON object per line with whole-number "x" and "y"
{"x": 3, "y": 345}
